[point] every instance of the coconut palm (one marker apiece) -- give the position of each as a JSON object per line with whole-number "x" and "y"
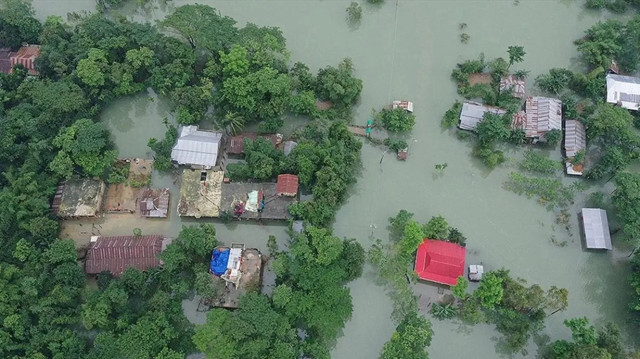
{"x": 231, "y": 123}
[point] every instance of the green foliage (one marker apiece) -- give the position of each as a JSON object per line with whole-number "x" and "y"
{"x": 516, "y": 54}
{"x": 536, "y": 162}
{"x": 451, "y": 117}
{"x": 337, "y": 84}
{"x": 395, "y": 145}
{"x": 462, "y": 71}
{"x": 587, "y": 342}
{"x": 354, "y": 13}
{"x": 17, "y": 24}
{"x": 412, "y": 237}
{"x": 436, "y": 228}
{"x": 162, "y": 148}
{"x": 555, "y": 81}
{"x": 396, "y": 120}
{"x": 443, "y": 311}
{"x": 550, "y": 191}
{"x": 410, "y": 339}
{"x": 398, "y": 224}
{"x": 119, "y": 173}
{"x": 202, "y": 27}
{"x": 553, "y": 137}
{"x": 490, "y": 291}
{"x": 460, "y": 289}
{"x": 493, "y": 128}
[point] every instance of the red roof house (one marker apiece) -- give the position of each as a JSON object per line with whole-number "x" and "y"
{"x": 287, "y": 185}
{"x": 117, "y": 254}
{"x": 440, "y": 262}
{"x": 26, "y": 56}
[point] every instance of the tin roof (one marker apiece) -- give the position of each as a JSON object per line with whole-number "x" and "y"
{"x": 596, "y": 228}
{"x": 117, "y": 254}
{"x": 543, "y": 115}
{"x": 235, "y": 146}
{"x": 287, "y": 185}
{"x": 575, "y": 137}
{"x": 154, "y": 203}
{"x": 5, "y": 60}
{"x": 26, "y": 56}
{"x": 623, "y": 90}
{"x": 289, "y": 146}
{"x": 515, "y": 83}
{"x": 473, "y": 112}
{"x": 79, "y": 197}
{"x": 440, "y": 262}
{"x": 196, "y": 147}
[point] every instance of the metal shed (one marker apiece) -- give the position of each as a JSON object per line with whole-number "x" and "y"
{"x": 196, "y": 148}
{"x": 472, "y": 113}
{"x": 596, "y": 228}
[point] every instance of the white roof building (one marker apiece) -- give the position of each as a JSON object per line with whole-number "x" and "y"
{"x": 623, "y": 91}
{"x": 473, "y": 112}
{"x": 196, "y": 148}
{"x": 596, "y": 228}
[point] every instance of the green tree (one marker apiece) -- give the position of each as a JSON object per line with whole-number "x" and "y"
{"x": 202, "y": 26}
{"x": 516, "y": 54}
{"x": 410, "y": 339}
{"x": 490, "y": 291}
{"x": 396, "y": 120}
{"x": 460, "y": 289}
{"x": 436, "y": 228}
{"x": 17, "y": 24}
{"x": 337, "y": 84}
{"x": 411, "y": 239}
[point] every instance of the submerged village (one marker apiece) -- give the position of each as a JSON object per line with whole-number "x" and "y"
{"x": 261, "y": 212}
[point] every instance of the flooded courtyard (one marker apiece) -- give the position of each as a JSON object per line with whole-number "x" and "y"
{"x": 406, "y": 50}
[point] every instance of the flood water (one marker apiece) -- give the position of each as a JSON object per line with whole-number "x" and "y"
{"x": 406, "y": 50}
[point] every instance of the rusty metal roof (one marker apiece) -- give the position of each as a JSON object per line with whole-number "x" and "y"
{"x": 515, "y": 83}
{"x": 543, "y": 115}
{"x": 154, "y": 203}
{"x": 235, "y": 146}
{"x": 287, "y": 185}
{"x": 26, "y": 56}
{"x": 117, "y": 254}
{"x": 575, "y": 137}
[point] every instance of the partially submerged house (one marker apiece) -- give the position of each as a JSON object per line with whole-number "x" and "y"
{"x": 287, "y": 185}
{"x": 79, "y": 197}
{"x": 235, "y": 145}
{"x": 623, "y": 91}
{"x": 196, "y": 148}
{"x": 289, "y": 146}
{"x": 205, "y": 194}
{"x": 575, "y": 140}
{"x": 596, "y": 228}
{"x": 239, "y": 269}
{"x": 154, "y": 202}
{"x": 26, "y": 56}
{"x": 543, "y": 115}
{"x": 403, "y": 104}
{"x": 473, "y": 112}
{"x": 516, "y": 85}
{"x": 117, "y": 254}
{"x": 440, "y": 262}
{"x": 200, "y": 193}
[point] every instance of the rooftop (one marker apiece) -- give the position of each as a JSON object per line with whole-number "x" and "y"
{"x": 473, "y": 112}
{"x": 117, "y": 254}
{"x": 235, "y": 145}
{"x": 575, "y": 140}
{"x": 287, "y": 185}
{"x": 5, "y": 60}
{"x": 26, "y": 56}
{"x": 440, "y": 262}
{"x": 248, "y": 198}
{"x": 596, "y": 228}
{"x": 79, "y": 197}
{"x": 196, "y": 147}
{"x": 200, "y": 193}
{"x": 515, "y": 83}
{"x": 543, "y": 115}
{"x": 154, "y": 203}
{"x": 238, "y": 269}
{"x": 624, "y": 91}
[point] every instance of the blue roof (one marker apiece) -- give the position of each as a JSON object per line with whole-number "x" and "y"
{"x": 219, "y": 259}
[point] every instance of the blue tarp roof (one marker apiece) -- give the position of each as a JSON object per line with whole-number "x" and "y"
{"x": 219, "y": 260}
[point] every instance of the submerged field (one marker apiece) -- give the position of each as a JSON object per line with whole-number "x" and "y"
{"x": 406, "y": 50}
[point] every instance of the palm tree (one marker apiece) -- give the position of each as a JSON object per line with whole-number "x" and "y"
{"x": 231, "y": 123}
{"x": 516, "y": 54}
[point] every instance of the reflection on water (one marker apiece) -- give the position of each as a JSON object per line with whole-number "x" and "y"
{"x": 406, "y": 50}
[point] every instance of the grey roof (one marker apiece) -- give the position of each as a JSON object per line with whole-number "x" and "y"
{"x": 81, "y": 197}
{"x": 596, "y": 228}
{"x": 543, "y": 115}
{"x": 623, "y": 90}
{"x": 473, "y": 112}
{"x": 289, "y": 146}
{"x": 575, "y": 137}
{"x": 298, "y": 226}
{"x": 196, "y": 147}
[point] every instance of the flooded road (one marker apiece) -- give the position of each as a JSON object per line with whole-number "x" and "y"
{"x": 406, "y": 50}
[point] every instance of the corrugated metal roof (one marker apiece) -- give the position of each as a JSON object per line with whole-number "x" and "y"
{"x": 289, "y": 146}
{"x": 287, "y": 185}
{"x": 543, "y": 115}
{"x": 596, "y": 228}
{"x": 623, "y": 90}
{"x": 516, "y": 84}
{"x": 196, "y": 147}
{"x": 154, "y": 203}
{"x": 473, "y": 112}
{"x": 117, "y": 254}
{"x": 26, "y": 56}
{"x": 575, "y": 137}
